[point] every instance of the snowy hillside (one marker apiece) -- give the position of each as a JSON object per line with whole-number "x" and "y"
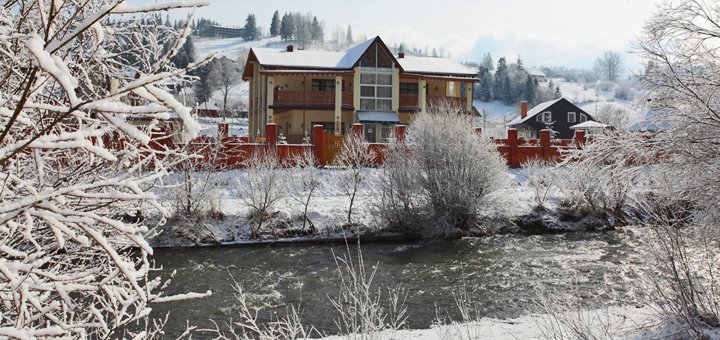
{"x": 232, "y": 47}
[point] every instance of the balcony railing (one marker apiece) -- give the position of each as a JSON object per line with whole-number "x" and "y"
{"x": 452, "y": 102}
{"x": 310, "y": 98}
{"x": 410, "y": 101}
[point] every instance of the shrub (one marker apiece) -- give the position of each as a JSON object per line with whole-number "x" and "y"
{"x": 259, "y": 186}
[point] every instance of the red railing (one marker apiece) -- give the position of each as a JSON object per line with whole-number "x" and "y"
{"x": 310, "y": 98}
{"x": 409, "y": 100}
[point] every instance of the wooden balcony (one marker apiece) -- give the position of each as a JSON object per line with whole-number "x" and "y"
{"x": 311, "y": 99}
{"x": 409, "y": 102}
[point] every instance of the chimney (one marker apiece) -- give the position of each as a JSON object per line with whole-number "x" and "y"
{"x": 401, "y": 55}
{"x": 523, "y": 109}
{"x": 290, "y": 48}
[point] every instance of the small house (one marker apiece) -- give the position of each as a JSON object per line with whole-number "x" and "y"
{"x": 558, "y": 115}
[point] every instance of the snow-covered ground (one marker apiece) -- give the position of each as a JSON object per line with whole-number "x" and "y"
{"x": 626, "y": 322}
{"x": 236, "y": 126}
{"x": 233, "y": 47}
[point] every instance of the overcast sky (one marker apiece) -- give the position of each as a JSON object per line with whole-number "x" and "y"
{"x": 548, "y": 32}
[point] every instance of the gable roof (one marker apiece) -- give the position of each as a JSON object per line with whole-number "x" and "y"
{"x": 542, "y": 107}
{"x": 326, "y": 60}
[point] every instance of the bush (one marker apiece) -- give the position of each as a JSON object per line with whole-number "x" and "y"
{"x": 455, "y": 172}
{"x": 541, "y": 177}
{"x": 259, "y": 186}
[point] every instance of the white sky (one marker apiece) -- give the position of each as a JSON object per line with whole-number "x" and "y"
{"x": 544, "y": 32}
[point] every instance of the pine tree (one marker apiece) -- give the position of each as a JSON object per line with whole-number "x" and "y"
{"x": 501, "y": 76}
{"x": 186, "y": 55}
{"x": 251, "y": 29}
{"x": 557, "y": 95}
{"x": 529, "y": 90}
{"x": 275, "y": 25}
{"x": 316, "y": 31}
{"x": 506, "y": 90}
{"x": 203, "y": 87}
{"x": 349, "y": 38}
{"x": 287, "y": 27}
{"x": 488, "y": 62}
{"x": 484, "y": 92}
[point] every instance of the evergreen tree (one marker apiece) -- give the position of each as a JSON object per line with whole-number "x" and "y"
{"x": 484, "y": 91}
{"x": 203, "y": 87}
{"x": 287, "y": 27}
{"x": 501, "y": 76}
{"x": 251, "y": 29}
{"x": 349, "y": 37}
{"x": 316, "y": 31}
{"x": 487, "y": 62}
{"x": 275, "y": 25}
{"x": 558, "y": 95}
{"x": 506, "y": 90}
{"x": 529, "y": 90}
{"x": 186, "y": 55}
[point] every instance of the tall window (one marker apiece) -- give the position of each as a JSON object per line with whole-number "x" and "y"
{"x": 375, "y": 80}
{"x": 571, "y": 117}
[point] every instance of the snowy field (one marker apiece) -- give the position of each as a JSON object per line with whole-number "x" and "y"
{"x": 209, "y": 126}
{"x": 233, "y": 47}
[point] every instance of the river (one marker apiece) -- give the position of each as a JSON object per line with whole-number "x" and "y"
{"x": 500, "y": 275}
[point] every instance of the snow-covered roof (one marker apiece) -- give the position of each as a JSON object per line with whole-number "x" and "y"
{"x": 536, "y": 72}
{"x": 208, "y": 106}
{"x": 430, "y": 65}
{"x": 590, "y": 124}
{"x": 348, "y": 59}
{"x": 534, "y": 111}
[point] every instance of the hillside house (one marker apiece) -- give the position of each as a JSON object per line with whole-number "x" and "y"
{"x": 297, "y": 89}
{"x": 558, "y": 115}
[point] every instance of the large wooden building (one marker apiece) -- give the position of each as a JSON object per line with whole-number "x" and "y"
{"x": 367, "y": 84}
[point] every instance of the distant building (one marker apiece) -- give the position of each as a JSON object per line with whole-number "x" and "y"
{"x": 558, "y": 115}
{"x": 297, "y": 89}
{"x": 208, "y": 109}
{"x": 537, "y": 74}
{"x": 225, "y": 32}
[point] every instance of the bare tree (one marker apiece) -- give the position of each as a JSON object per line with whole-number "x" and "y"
{"x": 225, "y": 75}
{"x": 74, "y": 173}
{"x": 352, "y": 160}
{"x": 541, "y": 178}
{"x": 609, "y": 65}
{"x": 306, "y": 180}
{"x": 259, "y": 186}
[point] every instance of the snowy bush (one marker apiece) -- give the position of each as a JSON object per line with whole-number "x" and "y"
{"x": 74, "y": 174}
{"x": 259, "y": 186}
{"x": 541, "y": 178}
{"x": 624, "y": 92}
{"x": 352, "y": 160}
{"x": 616, "y": 116}
{"x": 455, "y": 170}
{"x": 400, "y": 200}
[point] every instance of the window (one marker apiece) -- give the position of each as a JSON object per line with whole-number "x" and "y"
{"x": 583, "y": 118}
{"x": 409, "y": 88}
{"x": 376, "y": 80}
{"x": 547, "y": 117}
{"x": 571, "y": 117}
{"x": 323, "y": 85}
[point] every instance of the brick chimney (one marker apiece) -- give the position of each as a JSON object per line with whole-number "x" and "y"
{"x": 290, "y": 48}
{"x": 523, "y": 109}
{"x": 401, "y": 55}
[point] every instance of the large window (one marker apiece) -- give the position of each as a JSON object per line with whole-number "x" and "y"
{"x": 323, "y": 85}
{"x": 375, "y": 80}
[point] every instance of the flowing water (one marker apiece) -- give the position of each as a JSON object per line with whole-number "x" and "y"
{"x": 501, "y": 276}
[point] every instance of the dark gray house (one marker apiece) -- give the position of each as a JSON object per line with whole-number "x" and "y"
{"x": 558, "y": 115}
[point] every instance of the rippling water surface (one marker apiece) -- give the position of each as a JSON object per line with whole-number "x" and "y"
{"x": 499, "y": 274}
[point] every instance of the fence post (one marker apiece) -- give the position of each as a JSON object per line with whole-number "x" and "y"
{"x": 358, "y": 129}
{"x": 223, "y": 131}
{"x": 317, "y": 142}
{"x": 400, "y": 132}
{"x": 580, "y": 138}
{"x": 545, "y": 143}
{"x": 513, "y": 142}
{"x": 271, "y": 134}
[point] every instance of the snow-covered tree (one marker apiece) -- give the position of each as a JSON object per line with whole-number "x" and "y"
{"x": 353, "y": 158}
{"x": 74, "y": 173}
{"x": 224, "y": 76}
{"x": 259, "y": 186}
{"x": 609, "y": 65}
{"x": 275, "y": 25}
{"x": 252, "y": 32}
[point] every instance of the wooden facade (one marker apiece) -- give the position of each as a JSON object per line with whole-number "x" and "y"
{"x": 557, "y": 116}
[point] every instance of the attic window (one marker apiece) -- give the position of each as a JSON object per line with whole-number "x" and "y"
{"x": 571, "y": 117}
{"x": 583, "y": 118}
